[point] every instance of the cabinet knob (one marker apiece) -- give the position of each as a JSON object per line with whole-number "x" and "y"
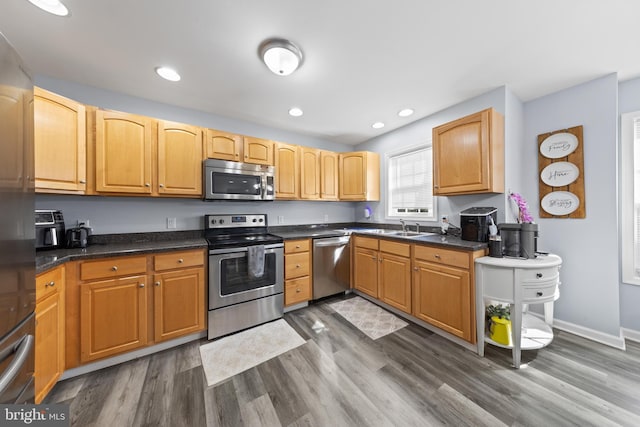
{"x": 114, "y": 268}
{"x": 180, "y": 261}
{"x": 297, "y": 265}
{"x": 416, "y": 269}
{"x": 161, "y": 185}
{"x": 436, "y": 186}
{"x": 539, "y": 294}
{"x": 52, "y": 284}
{"x": 380, "y": 259}
{"x": 82, "y": 181}
{"x": 146, "y": 184}
{"x": 538, "y": 275}
{"x": 437, "y": 256}
{"x": 141, "y": 285}
{"x": 298, "y": 290}
{"x": 297, "y": 246}
{"x": 157, "y": 283}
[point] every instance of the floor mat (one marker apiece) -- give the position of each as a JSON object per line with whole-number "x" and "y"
{"x": 374, "y": 321}
{"x": 236, "y": 353}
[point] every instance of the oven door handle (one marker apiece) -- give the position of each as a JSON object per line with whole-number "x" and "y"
{"x": 268, "y": 249}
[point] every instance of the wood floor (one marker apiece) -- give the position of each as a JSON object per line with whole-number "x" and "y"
{"x": 340, "y": 377}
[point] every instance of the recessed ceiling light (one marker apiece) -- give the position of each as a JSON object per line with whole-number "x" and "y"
{"x": 377, "y": 125}
{"x": 295, "y": 112}
{"x": 405, "y": 112}
{"x": 52, "y": 6}
{"x": 168, "y": 73}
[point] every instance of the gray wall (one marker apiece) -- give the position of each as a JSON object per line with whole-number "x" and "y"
{"x": 589, "y": 295}
{"x": 419, "y": 132}
{"x": 145, "y": 214}
{"x": 629, "y": 101}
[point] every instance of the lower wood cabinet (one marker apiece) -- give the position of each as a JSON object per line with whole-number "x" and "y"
{"x": 50, "y": 331}
{"x": 297, "y": 271}
{"x": 121, "y": 304}
{"x": 365, "y": 265}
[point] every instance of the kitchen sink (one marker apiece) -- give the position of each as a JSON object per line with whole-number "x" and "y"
{"x": 409, "y": 234}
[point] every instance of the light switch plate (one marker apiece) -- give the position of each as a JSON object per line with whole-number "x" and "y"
{"x": 171, "y": 223}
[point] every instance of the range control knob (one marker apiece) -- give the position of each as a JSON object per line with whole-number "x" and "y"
{"x": 261, "y": 220}
{"x": 222, "y": 221}
{"x": 213, "y": 221}
{"x": 255, "y": 220}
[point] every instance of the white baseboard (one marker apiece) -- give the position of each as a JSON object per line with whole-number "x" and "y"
{"x": 631, "y": 334}
{"x": 105, "y": 363}
{"x": 592, "y": 334}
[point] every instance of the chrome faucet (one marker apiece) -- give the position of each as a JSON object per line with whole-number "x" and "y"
{"x": 404, "y": 226}
{"x": 417, "y": 227}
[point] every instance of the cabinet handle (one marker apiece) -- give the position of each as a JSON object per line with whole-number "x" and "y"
{"x": 141, "y": 285}
{"x": 437, "y": 256}
{"x": 51, "y": 283}
{"x": 157, "y": 283}
{"x": 436, "y": 186}
{"x": 297, "y": 265}
{"x": 416, "y": 269}
{"x": 114, "y": 268}
{"x": 297, "y": 246}
{"x": 298, "y": 290}
{"x": 380, "y": 259}
{"x": 538, "y": 275}
{"x": 180, "y": 261}
{"x": 146, "y": 184}
{"x": 161, "y": 185}
{"x": 539, "y": 293}
{"x": 82, "y": 181}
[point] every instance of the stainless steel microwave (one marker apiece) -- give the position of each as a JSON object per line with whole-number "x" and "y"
{"x": 225, "y": 180}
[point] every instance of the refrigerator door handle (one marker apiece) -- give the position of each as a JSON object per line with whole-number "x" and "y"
{"x": 22, "y": 354}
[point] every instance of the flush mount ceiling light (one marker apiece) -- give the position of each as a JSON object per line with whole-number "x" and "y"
{"x": 281, "y": 56}
{"x": 295, "y": 112}
{"x": 168, "y": 74}
{"x": 377, "y": 125}
{"x": 405, "y": 112}
{"x": 52, "y": 6}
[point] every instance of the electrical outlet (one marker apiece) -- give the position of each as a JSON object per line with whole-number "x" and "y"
{"x": 280, "y": 219}
{"x": 84, "y": 223}
{"x": 326, "y": 217}
{"x": 171, "y": 223}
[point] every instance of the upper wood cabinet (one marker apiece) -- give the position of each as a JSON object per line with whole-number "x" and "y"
{"x": 309, "y": 173}
{"x": 468, "y": 155}
{"x": 13, "y": 124}
{"x": 123, "y": 152}
{"x": 223, "y": 145}
{"x": 329, "y": 165}
{"x": 360, "y": 176}
{"x": 258, "y": 151}
{"x": 287, "y": 171}
{"x": 60, "y": 143}
{"x": 179, "y": 159}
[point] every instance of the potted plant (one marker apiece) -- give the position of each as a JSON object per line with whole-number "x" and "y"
{"x": 499, "y": 322}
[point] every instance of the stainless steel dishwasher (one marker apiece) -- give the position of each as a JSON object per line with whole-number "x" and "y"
{"x": 331, "y": 259}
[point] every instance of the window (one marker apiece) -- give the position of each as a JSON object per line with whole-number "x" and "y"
{"x": 630, "y": 137}
{"x": 409, "y": 184}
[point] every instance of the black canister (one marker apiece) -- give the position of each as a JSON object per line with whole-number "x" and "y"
{"x": 495, "y": 247}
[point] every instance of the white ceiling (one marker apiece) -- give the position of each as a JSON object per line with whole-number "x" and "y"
{"x": 364, "y": 59}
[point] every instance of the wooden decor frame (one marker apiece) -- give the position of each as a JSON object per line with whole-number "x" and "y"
{"x": 576, "y": 159}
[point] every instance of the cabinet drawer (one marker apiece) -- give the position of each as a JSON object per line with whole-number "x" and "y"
{"x": 297, "y": 290}
{"x": 113, "y": 267}
{"x": 296, "y": 265}
{"x": 537, "y": 275}
{"x": 442, "y": 256}
{"x": 173, "y": 260}
{"x": 295, "y": 246}
{"x": 49, "y": 282}
{"x": 365, "y": 242}
{"x": 539, "y": 293}
{"x": 402, "y": 249}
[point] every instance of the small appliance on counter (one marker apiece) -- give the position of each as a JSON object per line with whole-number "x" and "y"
{"x": 475, "y": 223}
{"x": 49, "y": 229}
{"x": 519, "y": 240}
{"x": 78, "y": 237}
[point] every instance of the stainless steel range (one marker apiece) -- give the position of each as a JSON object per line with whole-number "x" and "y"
{"x": 246, "y": 273}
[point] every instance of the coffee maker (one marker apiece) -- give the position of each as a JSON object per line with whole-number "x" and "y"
{"x": 49, "y": 229}
{"x": 519, "y": 240}
{"x": 475, "y": 223}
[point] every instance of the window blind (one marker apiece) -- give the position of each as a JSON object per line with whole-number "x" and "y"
{"x": 410, "y": 184}
{"x": 636, "y": 195}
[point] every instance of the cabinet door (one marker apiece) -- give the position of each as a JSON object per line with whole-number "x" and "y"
{"x": 258, "y": 151}
{"x": 113, "y": 317}
{"x": 442, "y": 297}
{"x": 468, "y": 155}
{"x": 223, "y": 145}
{"x": 178, "y": 302}
{"x": 179, "y": 159}
{"x": 287, "y": 173}
{"x": 365, "y": 271}
{"x": 60, "y": 142}
{"x": 123, "y": 152}
{"x": 329, "y": 175}
{"x": 359, "y": 176}
{"x": 309, "y": 173}
{"x": 395, "y": 281}
{"x": 12, "y": 127}
{"x": 49, "y": 349}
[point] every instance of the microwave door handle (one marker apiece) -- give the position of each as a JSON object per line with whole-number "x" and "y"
{"x": 263, "y": 181}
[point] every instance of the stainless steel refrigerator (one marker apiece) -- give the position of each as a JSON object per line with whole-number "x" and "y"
{"x": 17, "y": 231}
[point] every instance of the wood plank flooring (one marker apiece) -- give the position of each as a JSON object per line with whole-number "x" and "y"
{"x": 340, "y": 377}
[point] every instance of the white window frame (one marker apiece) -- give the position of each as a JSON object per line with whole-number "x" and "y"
{"x": 630, "y": 146}
{"x": 408, "y": 216}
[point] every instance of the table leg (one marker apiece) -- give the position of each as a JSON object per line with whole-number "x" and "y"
{"x": 516, "y": 332}
{"x": 548, "y": 313}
